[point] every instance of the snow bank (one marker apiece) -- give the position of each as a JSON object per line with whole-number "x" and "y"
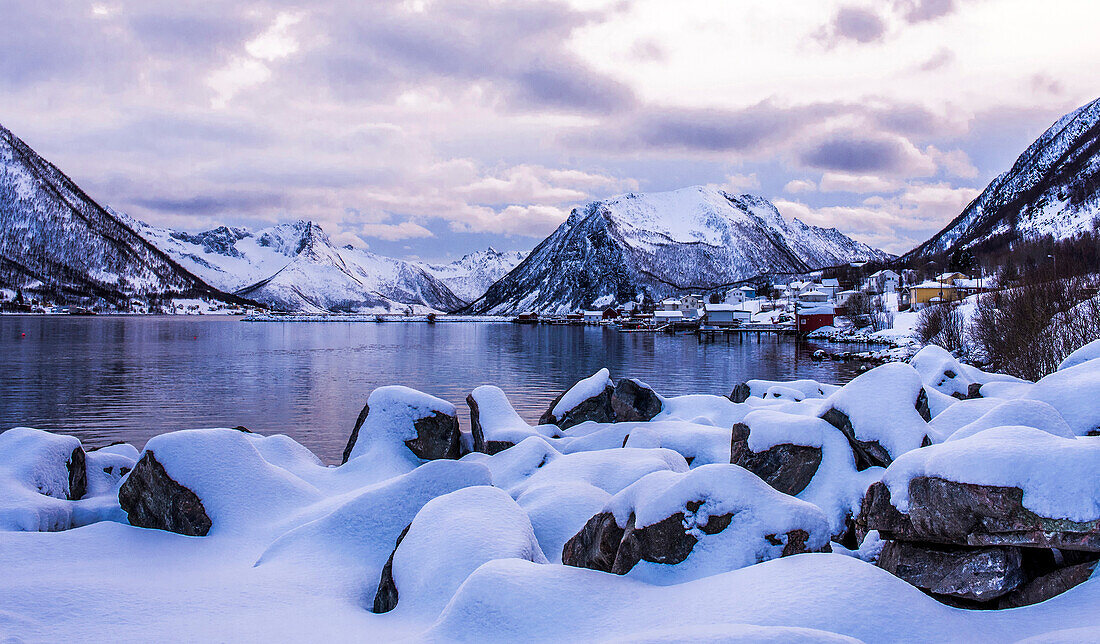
{"x": 358, "y": 536}
{"x": 1075, "y": 393}
{"x": 610, "y": 470}
{"x": 808, "y": 388}
{"x": 956, "y": 416}
{"x": 558, "y": 510}
{"x": 837, "y": 488}
{"x": 703, "y": 409}
{"x": 1029, "y": 413}
{"x": 940, "y": 370}
{"x": 1057, "y": 475}
{"x": 239, "y": 489}
{"x": 1090, "y": 351}
{"x": 757, "y": 530}
{"x": 450, "y": 537}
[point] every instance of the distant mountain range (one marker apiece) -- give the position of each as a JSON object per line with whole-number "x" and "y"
{"x": 1052, "y": 189}
{"x": 658, "y": 244}
{"x": 56, "y": 240}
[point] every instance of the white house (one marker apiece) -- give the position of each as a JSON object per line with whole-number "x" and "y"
{"x": 830, "y": 286}
{"x": 661, "y": 318}
{"x": 593, "y": 317}
{"x": 735, "y": 296}
{"x": 813, "y": 297}
{"x": 726, "y": 315}
{"x": 670, "y": 304}
{"x": 693, "y": 301}
{"x": 843, "y": 296}
{"x": 884, "y": 281}
{"x": 692, "y": 314}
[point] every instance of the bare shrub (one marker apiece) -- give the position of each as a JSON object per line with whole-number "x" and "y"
{"x": 881, "y": 316}
{"x": 943, "y": 325}
{"x": 858, "y": 308}
{"x": 1027, "y": 331}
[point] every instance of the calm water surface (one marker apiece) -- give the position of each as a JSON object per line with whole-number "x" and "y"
{"x": 108, "y": 378}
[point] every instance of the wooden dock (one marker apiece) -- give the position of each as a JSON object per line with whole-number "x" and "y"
{"x": 711, "y": 334}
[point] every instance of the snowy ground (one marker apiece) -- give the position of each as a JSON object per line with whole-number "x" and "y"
{"x": 298, "y": 551}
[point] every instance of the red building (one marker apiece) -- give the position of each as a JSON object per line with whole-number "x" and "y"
{"x": 812, "y": 318}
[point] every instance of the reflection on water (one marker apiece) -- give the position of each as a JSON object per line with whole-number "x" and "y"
{"x": 106, "y": 379}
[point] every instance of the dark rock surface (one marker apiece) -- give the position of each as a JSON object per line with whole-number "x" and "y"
{"x": 151, "y": 499}
{"x": 385, "y": 598}
{"x": 922, "y": 405}
{"x": 1049, "y": 585}
{"x": 977, "y": 574}
{"x": 596, "y": 545}
{"x": 596, "y": 408}
{"x": 633, "y": 401}
{"x": 78, "y": 474}
{"x": 787, "y": 468}
{"x": 740, "y": 393}
{"x": 867, "y": 453}
{"x": 942, "y": 511}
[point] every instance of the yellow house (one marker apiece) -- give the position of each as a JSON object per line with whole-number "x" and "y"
{"x": 949, "y": 278}
{"x": 931, "y": 292}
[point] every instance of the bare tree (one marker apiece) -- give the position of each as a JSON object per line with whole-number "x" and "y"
{"x": 944, "y": 325}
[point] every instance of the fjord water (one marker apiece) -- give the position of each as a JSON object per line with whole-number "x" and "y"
{"x": 127, "y": 378}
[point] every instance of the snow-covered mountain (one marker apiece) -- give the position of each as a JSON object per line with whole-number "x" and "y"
{"x": 1052, "y": 189}
{"x": 471, "y": 276}
{"x": 296, "y": 267}
{"x": 661, "y": 244}
{"x": 54, "y": 238}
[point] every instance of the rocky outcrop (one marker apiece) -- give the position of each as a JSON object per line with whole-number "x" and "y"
{"x": 385, "y": 598}
{"x": 596, "y": 545}
{"x": 78, "y": 474}
{"x": 740, "y": 393}
{"x": 480, "y": 443}
{"x": 437, "y": 435}
{"x": 634, "y": 401}
{"x": 787, "y": 468}
{"x": 151, "y": 499}
{"x": 868, "y": 453}
{"x": 977, "y": 546}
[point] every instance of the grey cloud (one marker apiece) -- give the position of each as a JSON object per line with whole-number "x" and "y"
{"x": 858, "y": 24}
{"x": 856, "y": 154}
{"x": 230, "y": 203}
{"x": 938, "y": 60}
{"x": 922, "y": 10}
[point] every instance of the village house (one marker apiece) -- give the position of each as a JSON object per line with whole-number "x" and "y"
{"x": 813, "y": 297}
{"x": 830, "y": 286}
{"x": 884, "y": 281}
{"x": 661, "y": 318}
{"x": 669, "y": 304}
{"x": 931, "y": 292}
{"x": 811, "y": 318}
{"x": 735, "y": 296}
{"x": 593, "y": 317}
{"x": 692, "y": 301}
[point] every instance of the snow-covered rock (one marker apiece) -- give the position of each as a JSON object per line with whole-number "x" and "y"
{"x": 939, "y": 370}
{"x": 39, "y": 473}
{"x": 805, "y": 457}
{"x": 400, "y": 427}
{"x": 196, "y": 481}
{"x": 634, "y": 401}
{"x": 760, "y": 388}
{"x": 1074, "y": 392}
{"x": 558, "y": 510}
{"x": 880, "y": 412}
{"x": 448, "y": 539}
{"x": 672, "y": 527}
{"x": 1090, "y": 351}
{"x": 1030, "y": 413}
{"x": 494, "y": 423}
{"x": 588, "y": 399}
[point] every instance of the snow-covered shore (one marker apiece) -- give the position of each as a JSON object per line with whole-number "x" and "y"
{"x": 916, "y": 503}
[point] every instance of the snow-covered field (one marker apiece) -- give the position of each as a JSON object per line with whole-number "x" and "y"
{"x": 636, "y": 517}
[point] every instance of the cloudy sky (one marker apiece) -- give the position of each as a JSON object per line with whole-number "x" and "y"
{"x": 426, "y": 128}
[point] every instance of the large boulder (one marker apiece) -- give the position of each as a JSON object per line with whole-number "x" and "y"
{"x": 152, "y": 499}
{"x": 403, "y": 424}
{"x": 494, "y": 423}
{"x": 805, "y": 457}
{"x": 448, "y": 539}
{"x": 195, "y": 481}
{"x": 976, "y": 574}
{"x": 634, "y": 401}
{"x": 1074, "y": 392}
{"x": 883, "y": 413}
{"x": 759, "y": 389}
{"x": 1016, "y": 486}
{"x": 652, "y": 529}
{"x": 588, "y": 400}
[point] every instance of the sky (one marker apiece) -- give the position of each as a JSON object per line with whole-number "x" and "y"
{"x": 429, "y": 129}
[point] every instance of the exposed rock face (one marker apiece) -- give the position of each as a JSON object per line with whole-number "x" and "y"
{"x": 978, "y": 574}
{"x": 596, "y": 545}
{"x": 787, "y": 468}
{"x": 948, "y": 512}
{"x": 596, "y": 408}
{"x": 740, "y": 393}
{"x": 151, "y": 499}
{"x": 922, "y": 405}
{"x": 437, "y": 436}
{"x": 868, "y": 453}
{"x": 1049, "y": 585}
{"x": 78, "y": 474}
{"x": 633, "y": 401}
{"x": 385, "y": 598}
{"x": 480, "y": 444}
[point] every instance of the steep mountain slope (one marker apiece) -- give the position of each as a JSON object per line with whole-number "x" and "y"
{"x": 660, "y": 244}
{"x": 471, "y": 276}
{"x": 57, "y": 240}
{"x": 295, "y": 267}
{"x": 1052, "y": 189}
